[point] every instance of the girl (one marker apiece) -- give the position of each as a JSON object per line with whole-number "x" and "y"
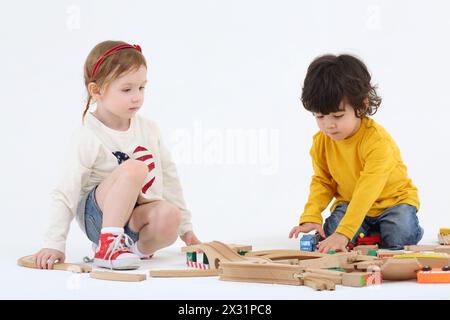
{"x": 120, "y": 183}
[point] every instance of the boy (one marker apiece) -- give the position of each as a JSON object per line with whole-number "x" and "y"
{"x": 355, "y": 161}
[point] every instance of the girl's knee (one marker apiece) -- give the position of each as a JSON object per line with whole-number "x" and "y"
{"x": 169, "y": 212}
{"x": 169, "y": 220}
{"x": 175, "y": 215}
{"x": 134, "y": 170}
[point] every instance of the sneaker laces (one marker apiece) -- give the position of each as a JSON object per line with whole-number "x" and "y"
{"x": 121, "y": 242}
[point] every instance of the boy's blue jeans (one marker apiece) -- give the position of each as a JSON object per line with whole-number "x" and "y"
{"x": 398, "y": 226}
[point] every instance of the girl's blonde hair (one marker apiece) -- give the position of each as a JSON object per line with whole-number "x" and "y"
{"x": 114, "y": 65}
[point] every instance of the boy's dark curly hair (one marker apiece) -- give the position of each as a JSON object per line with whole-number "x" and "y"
{"x": 331, "y": 78}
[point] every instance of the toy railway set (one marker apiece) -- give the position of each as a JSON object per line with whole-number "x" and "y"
{"x": 365, "y": 265}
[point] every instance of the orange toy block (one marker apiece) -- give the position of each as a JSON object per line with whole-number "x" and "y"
{"x": 436, "y": 275}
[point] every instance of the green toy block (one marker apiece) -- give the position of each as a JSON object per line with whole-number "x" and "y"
{"x": 191, "y": 256}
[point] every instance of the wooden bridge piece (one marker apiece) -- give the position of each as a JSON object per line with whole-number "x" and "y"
{"x": 217, "y": 252}
{"x": 400, "y": 269}
{"x": 444, "y": 239}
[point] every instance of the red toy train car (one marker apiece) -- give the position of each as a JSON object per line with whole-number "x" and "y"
{"x": 366, "y": 241}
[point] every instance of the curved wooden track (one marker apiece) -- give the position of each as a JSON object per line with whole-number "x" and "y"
{"x": 28, "y": 262}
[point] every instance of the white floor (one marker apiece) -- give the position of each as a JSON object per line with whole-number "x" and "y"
{"x": 22, "y": 283}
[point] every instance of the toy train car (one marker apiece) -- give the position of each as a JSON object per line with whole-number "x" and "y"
{"x": 309, "y": 242}
{"x": 365, "y": 241}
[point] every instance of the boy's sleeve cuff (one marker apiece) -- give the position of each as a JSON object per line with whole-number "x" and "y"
{"x": 312, "y": 219}
{"x": 346, "y": 232}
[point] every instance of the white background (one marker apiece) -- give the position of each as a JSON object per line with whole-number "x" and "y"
{"x": 216, "y": 67}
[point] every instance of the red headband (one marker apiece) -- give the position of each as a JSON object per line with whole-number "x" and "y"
{"x": 102, "y": 58}
{"x": 110, "y": 52}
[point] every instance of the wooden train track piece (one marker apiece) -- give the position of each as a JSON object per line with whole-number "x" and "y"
{"x": 310, "y": 272}
{"x": 321, "y": 263}
{"x": 184, "y": 273}
{"x": 385, "y": 253}
{"x": 117, "y": 276}
{"x": 329, "y": 260}
{"x": 429, "y": 248}
{"x": 276, "y": 255}
{"x": 319, "y": 283}
{"x": 336, "y": 279}
{"x": 421, "y": 247}
{"x": 360, "y": 258}
{"x": 443, "y": 249}
{"x": 364, "y": 265}
{"x": 316, "y": 283}
{"x": 235, "y": 247}
{"x": 267, "y": 272}
{"x": 28, "y": 262}
{"x": 433, "y": 259}
{"x": 333, "y": 273}
{"x": 276, "y": 273}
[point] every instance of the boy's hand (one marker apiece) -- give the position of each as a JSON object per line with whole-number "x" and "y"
{"x": 305, "y": 228}
{"x": 46, "y": 258}
{"x": 334, "y": 242}
{"x": 190, "y": 238}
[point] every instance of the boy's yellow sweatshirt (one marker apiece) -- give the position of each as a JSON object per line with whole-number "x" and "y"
{"x": 365, "y": 170}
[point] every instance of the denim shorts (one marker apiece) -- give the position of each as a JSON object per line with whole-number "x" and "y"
{"x": 398, "y": 225}
{"x": 92, "y": 219}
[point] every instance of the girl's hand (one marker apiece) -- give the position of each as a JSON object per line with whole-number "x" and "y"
{"x": 305, "y": 228}
{"x": 46, "y": 258}
{"x": 190, "y": 238}
{"x": 336, "y": 242}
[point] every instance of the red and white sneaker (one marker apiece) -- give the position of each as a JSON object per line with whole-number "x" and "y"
{"x": 113, "y": 252}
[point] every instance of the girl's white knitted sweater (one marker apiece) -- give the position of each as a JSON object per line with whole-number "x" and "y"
{"x": 96, "y": 150}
